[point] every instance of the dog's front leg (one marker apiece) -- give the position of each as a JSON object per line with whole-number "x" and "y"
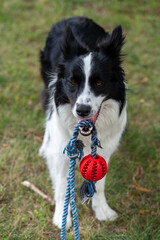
{"x": 99, "y": 204}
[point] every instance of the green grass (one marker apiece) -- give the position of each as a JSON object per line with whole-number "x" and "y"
{"x": 24, "y": 215}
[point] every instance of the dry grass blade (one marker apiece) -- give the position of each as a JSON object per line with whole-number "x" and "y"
{"x": 142, "y": 189}
{"x": 137, "y": 175}
{"x": 143, "y": 211}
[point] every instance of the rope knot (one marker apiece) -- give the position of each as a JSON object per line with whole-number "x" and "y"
{"x": 74, "y": 149}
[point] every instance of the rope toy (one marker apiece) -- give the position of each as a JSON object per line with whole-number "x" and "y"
{"x": 92, "y": 167}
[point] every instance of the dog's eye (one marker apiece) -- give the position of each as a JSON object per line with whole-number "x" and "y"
{"x": 73, "y": 82}
{"x": 99, "y": 83}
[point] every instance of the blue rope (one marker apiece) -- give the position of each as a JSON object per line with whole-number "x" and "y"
{"x": 73, "y": 152}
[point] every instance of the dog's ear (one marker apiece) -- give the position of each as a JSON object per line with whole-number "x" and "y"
{"x": 70, "y": 46}
{"x": 112, "y": 44}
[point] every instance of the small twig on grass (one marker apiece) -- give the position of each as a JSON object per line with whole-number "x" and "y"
{"x": 35, "y": 189}
{"x": 137, "y": 175}
{"x": 144, "y": 211}
{"x": 142, "y": 189}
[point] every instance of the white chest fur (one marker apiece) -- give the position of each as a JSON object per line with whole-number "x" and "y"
{"x": 59, "y": 130}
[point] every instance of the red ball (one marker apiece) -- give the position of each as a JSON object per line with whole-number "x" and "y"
{"x": 93, "y": 169}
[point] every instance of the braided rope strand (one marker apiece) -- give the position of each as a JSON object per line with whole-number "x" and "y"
{"x": 65, "y": 209}
{"x": 74, "y": 152}
{"x": 94, "y": 142}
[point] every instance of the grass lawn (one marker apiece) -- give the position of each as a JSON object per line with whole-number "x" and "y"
{"x": 24, "y": 25}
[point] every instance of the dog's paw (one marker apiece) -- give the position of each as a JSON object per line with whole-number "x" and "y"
{"x": 105, "y": 213}
{"x": 57, "y": 221}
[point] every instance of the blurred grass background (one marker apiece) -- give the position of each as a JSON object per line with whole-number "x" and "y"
{"x": 24, "y": 25}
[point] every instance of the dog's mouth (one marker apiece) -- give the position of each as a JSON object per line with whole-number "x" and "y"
{"x": 85, "y": 131}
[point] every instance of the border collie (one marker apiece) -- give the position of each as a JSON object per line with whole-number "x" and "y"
{"x": 83, "y": 78}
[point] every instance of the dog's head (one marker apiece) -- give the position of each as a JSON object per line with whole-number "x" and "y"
{"x": 90, "y": 78}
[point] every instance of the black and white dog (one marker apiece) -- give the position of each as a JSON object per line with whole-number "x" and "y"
{"x": 84, "y": 79}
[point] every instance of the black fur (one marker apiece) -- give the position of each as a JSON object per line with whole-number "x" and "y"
{"x": 70, "y": 39}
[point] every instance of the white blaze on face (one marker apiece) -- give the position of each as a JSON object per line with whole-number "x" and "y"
{"x": 84, "y": 97}
{"x": 87, "y": 96}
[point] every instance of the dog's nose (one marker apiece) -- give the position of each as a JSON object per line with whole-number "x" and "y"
{"x": 83, "y": 110}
